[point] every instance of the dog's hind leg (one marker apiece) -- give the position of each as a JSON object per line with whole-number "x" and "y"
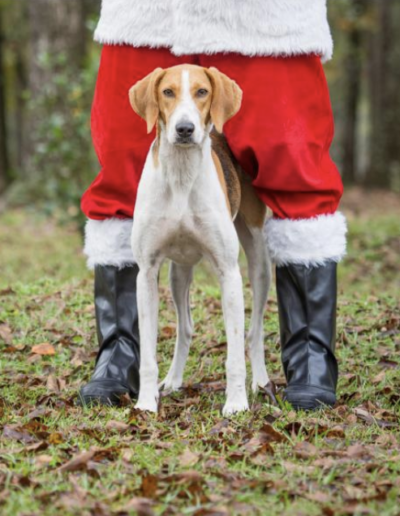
{"x": 259, "y": 270}
{"x": 180, "y": 279}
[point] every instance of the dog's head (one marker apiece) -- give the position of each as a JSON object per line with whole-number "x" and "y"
{"x": 186, "y": 100}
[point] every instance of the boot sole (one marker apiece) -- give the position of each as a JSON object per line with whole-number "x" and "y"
{"x": 309, "y": 398}
{"x": 96, "y": 393}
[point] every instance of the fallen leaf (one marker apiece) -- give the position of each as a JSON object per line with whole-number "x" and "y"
{"x": 17, "y": 434}
{"x": 336, "y": 431}
{"x": 364, "y": 415}
{"x": 7, "y": 291}
{"x": 43, "y": 460}
{"x": 271, "y": 435}
{"x": 142, "y": 506}
{"x": 118, "y": 426}
{"x": 78, "y": 462}
{"x": 149, "y": 485}
{"x": 56, "y": 438}
{"x": 379, "y": 377}
{"x": 5, "y": 334}
{"x": 270, "y": 391}
{"x": 53, "y": 384}
{"x": 188, "y": 458}
{"x": 356, "y": 451}
{"x": 43, "y": 349}
{"x": 319, "y": 497}
{"x": 305, "y": 450}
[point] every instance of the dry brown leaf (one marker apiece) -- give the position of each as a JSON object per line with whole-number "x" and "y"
{"x": 53, "y": 384}
{"x": 188, "y": 458}
{"x": 357, "y": 451}
{"x": 78, "y": 462}
{"x": 56, "y": 438}
{"x": 43, "y": 349}
{"x": 379, "y": 377}
{"x": 305, "y": 450}
{"x": 40, "y": 446}
{"x": 42, "y": 461}
{"x": 16, "y": 433}
{"x": 5, "y": 334}
{"x": 127, "y": 454}
{"x": 318, "y": 496}
{"x": 258, "y": 445}
{"x": 271, "y": 435}
{"x": 118, "y": 426}
{"x": 142, "y": 506}
{"x": 149, "y": 485}
{"x": 336, "y": 431}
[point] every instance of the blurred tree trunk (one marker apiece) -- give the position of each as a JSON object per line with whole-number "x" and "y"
{"x": 57, "y": 28}
{"x": 92, "y": 7}
{"x": 380, "y": 68}
{"x": 20, "y": 88}
{"x": 4, "y": 162}
{"x": 353, "y": 69}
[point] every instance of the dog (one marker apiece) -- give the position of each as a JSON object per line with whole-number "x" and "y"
{"x": 194, "y": 201}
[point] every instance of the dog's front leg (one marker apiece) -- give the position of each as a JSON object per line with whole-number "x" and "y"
{"x": 147, "y": 296}
{"x": 233, "y": 308}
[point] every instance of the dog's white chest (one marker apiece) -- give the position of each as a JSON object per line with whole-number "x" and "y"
{"x": 181, "y": 227}
{"x": 180, "y": 213}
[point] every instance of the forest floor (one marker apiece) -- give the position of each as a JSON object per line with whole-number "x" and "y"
{"x": 59, "y": 459}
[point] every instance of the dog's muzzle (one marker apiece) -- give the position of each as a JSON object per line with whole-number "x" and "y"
{"x": 184, "y": 131}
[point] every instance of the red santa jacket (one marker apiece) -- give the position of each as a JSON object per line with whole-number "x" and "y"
{"x": 250, "y": 27}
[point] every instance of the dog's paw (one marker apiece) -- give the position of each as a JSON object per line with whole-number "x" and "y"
{"x": 235, "y": 407}
{"x": 170, "y": 383}
{"x": 260, "y": 378}
{"x": 147, "y": 405}
{"x": 258, "y": 384}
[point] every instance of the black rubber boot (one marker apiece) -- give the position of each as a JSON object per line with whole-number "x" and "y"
{"x": 307, "y": 316}
{"x": 117, "y": 363}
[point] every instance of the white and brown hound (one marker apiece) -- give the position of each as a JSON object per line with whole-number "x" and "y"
{"x": 194, "y": 201}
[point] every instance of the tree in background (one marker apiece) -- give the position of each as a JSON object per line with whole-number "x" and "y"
{"x": 51, "y": 73}
{"x": 4, "y": 160}
{"x": 357, "y": 25}
{"x": 384, "y": 95}
{"x": 364, "y": 85}
{"x": 56, "y": 28}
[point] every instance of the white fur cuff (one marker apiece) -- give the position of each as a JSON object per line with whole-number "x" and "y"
{"x": 108, "y": 242}
{"x": 311, "y": 242}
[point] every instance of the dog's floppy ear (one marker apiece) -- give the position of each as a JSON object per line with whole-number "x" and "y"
{"x": 143, "y": 97}
{"x": 226, "y": 98}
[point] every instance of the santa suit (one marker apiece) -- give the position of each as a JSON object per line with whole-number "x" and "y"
{"x": 281, "y": 136}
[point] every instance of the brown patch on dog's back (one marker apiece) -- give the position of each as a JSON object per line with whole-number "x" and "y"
{"x": 241, "y": 194}
{"x": 227, "y": 163}
{"x": 252, "y": 209}
{"x": 221, "y": 179}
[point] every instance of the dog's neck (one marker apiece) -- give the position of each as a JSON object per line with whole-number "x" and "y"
{"x": 181, "y": 165}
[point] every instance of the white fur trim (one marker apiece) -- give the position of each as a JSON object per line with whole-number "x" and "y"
{"x": 310, "y": 242}
{"x": 108, "y": 242}
{"x": 253, "y": 27}
{"x": 135, "y": 22}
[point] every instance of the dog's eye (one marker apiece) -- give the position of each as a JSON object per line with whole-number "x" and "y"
{"x": 169, "y": 93}
{"x": 201, "y": 92}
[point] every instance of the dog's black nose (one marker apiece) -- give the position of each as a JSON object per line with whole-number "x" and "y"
{"x": 185, "y": 129}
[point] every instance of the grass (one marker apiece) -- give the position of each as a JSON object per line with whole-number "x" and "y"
{"x": 56, "y": 458}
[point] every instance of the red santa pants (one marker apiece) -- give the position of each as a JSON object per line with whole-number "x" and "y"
{"x": 281, "y": 137}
